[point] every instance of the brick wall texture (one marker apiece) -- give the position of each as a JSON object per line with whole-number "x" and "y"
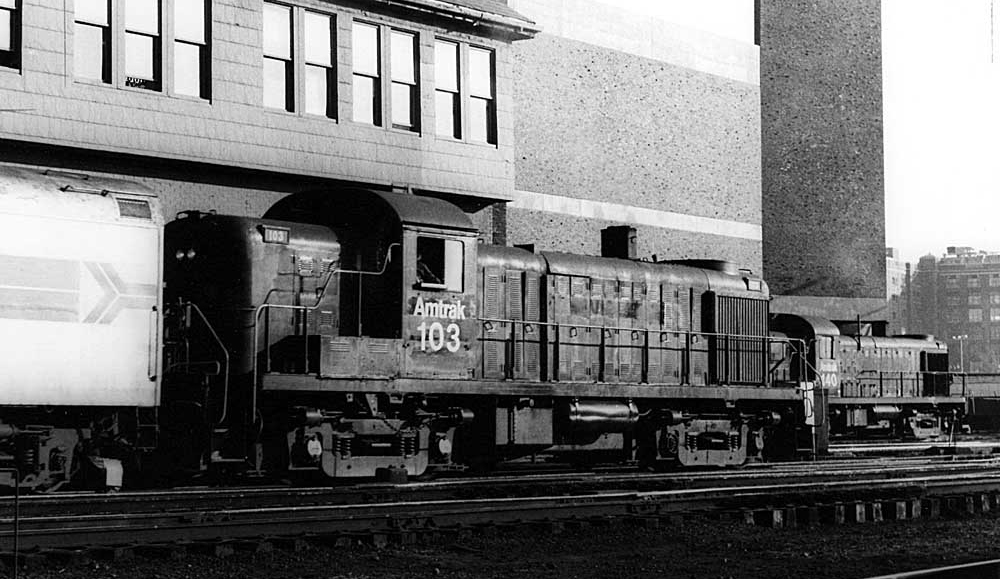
{"x": 603, "y": 125}
{"x": 823, "y": 187}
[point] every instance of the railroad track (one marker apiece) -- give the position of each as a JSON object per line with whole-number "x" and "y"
{"x": 771, "y": 495}
{"x": 524, "y": 483}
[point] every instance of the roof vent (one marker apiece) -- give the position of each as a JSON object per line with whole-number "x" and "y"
{"x": 619, "y": 241}
{"x": 711, "y": 264}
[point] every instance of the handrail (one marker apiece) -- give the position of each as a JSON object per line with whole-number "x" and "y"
{"x": 632, "y": 329}
{"x": 319, "y": 300}
{"x": 225, "y": 353}
{"x": 915, "y": 376}
{"x": 646, "y": 345}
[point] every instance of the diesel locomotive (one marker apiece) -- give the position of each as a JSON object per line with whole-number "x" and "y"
{"x": 350, "y": 334}
{"x": 886, "y": 386}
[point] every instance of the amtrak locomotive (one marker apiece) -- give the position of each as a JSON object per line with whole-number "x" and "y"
{"x": 357, "y": 333}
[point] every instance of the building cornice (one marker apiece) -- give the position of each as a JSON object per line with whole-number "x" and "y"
{"x": 498, "y": 18}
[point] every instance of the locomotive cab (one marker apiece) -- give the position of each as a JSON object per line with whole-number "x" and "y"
{"x": 407, "y": 284}
{"x": 407, "y": 312}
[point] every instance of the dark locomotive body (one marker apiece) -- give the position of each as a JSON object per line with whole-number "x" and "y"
{"x": 371, "y": 331}
{"x": 897, "y": 386}
{"x": 351, "y": 332}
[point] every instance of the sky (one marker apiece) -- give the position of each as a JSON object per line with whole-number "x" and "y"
{"x": 941, "y": 107}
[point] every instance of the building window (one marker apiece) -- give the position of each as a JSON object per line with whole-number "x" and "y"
{"x": 320, "y": 77}
{"x": 92, "y": 40}
{"x": 123, "y": 44}
{"x": 951, "y": 282}
{"x": 952, "y": 301}
{"x": 465, "y": 78}
{"x": 973, "y": 281}
{"x": 143, "y": 50}
{"x": 367, "y": 79}
{"x": 994, "y": 333}
{"x": 975, "y": 315}
{"x": 403, "y": 73}
{"x": 994, "y": 280}
{"x": 995, "y": 314}
{"x": 313, "y": 66}
{"x": 278, "y": 78}
{"x": 995, "y": 298}
{"x": 10, "y": 34}
{"x": 975, "y": 300}
{"x": 191, "y": 56}
{"x": 447, "y": 112}
{"x": 482, "y": 113}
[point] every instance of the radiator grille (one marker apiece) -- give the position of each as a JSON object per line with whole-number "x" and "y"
{"x": 734, "y": 358}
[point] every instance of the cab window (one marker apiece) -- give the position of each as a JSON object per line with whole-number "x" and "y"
{"x": 440, "y": 263}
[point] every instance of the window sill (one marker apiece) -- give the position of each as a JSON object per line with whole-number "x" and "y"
{"x": 402, "y": 131}
{"x": 448, "y": 139}
{"x": 299, "y": 115}
{"x": 315, "y": 117}
{"x": 88, "y": 82}
{"x": 92, "y": 82}
{"x": 188, "y": 98}
{"x": 393, "y": 130}
{"x": 11, "y": 77}
{"x": 483, "y": 144}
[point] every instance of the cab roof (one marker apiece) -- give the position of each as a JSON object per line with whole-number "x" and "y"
{"x": 355, "y": 208}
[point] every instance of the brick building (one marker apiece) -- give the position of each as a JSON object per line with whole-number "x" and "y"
{"x": 627, "y": 119}
{"x": 957, "y": 298}
{"x": 604, "y": 118}
{"x": 822, "y": 150}
{"x": 544, "y": 120}
{"x": 228, "y": 105}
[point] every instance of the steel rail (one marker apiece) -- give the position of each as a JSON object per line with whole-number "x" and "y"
{"x": 979, "y": 570}
{"x": 211, "y": 522}
{"x": 175, "y": 500}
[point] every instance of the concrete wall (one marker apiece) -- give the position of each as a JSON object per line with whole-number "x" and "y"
{"x": 623, "y": 119}
{"x": 823, "y": 199}
{"x": 48, "y": 105}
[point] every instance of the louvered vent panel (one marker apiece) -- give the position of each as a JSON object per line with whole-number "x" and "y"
{"x": 492, "y": 334}
{"x": 699, "y": 343}
{"x": 306, "y": 265}
{"x": 135, "y": 208}
{"x": 532, "y": 297}
{"x": 515, "y": 311}
{"x": 562, "y": 317}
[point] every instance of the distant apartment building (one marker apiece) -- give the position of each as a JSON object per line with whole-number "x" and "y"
{"x": 957, "y": 298}
{"x": 897, "y": 272}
